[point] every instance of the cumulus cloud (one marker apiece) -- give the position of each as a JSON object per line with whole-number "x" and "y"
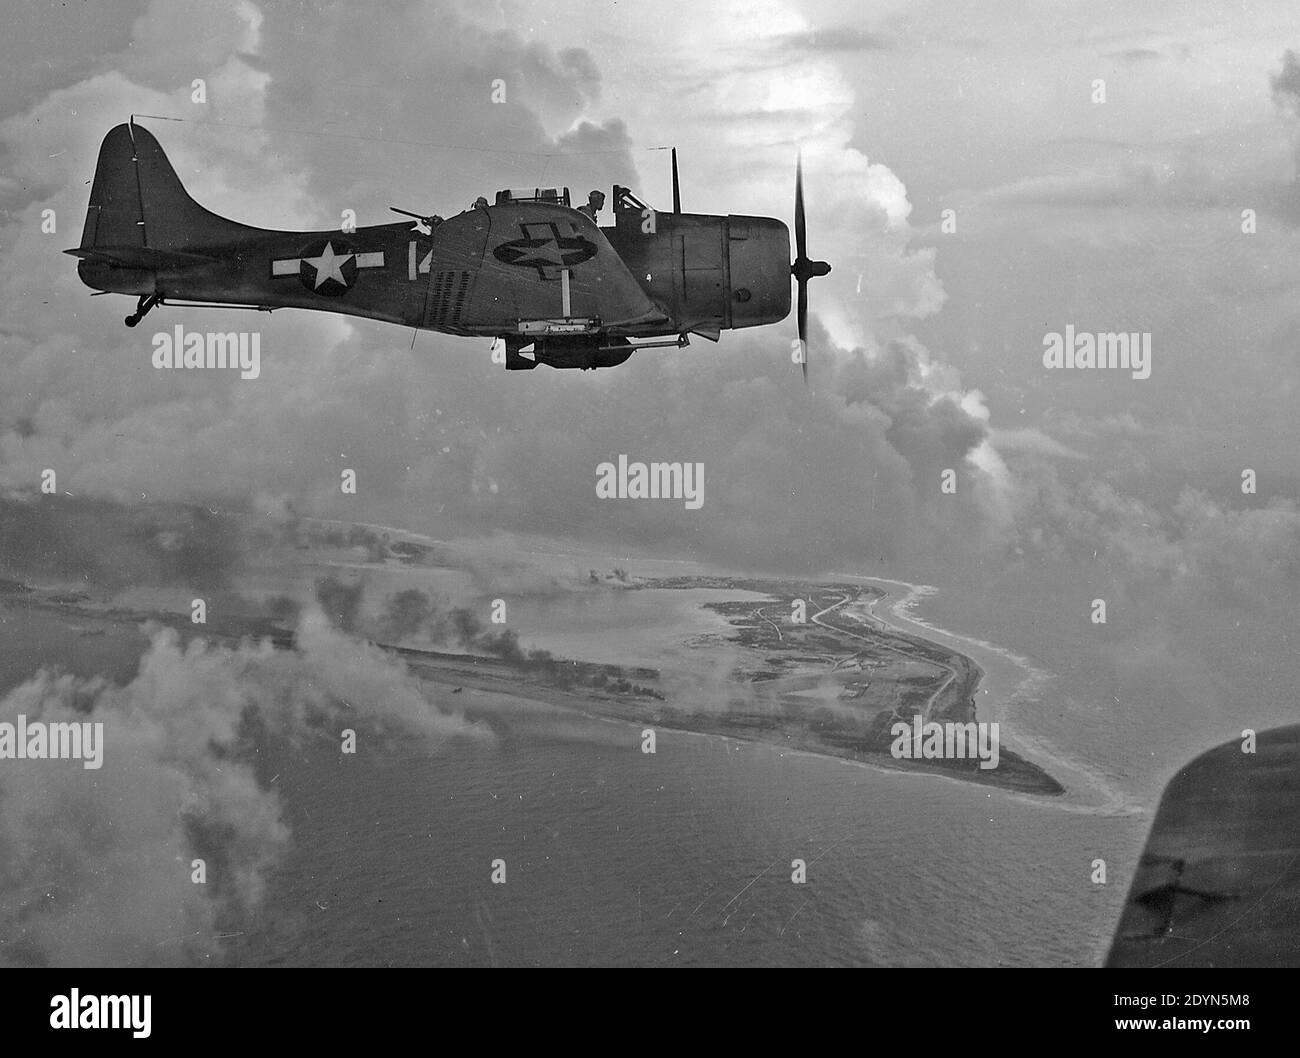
{"x": 307, "y": 116}
{"x": 1286, "y": 83}
{"x": 1031, "y": 439}
{"x": 440, "y": 439}
{"x": 96, "y": 865}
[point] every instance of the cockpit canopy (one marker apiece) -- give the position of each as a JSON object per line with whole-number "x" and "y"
{"x": 552, "y": 195}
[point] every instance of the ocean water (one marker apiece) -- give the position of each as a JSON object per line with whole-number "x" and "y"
{"x": 678, "y": 858}
{"x": 684, "y": 857}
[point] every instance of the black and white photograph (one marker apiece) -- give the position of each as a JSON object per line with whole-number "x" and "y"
{"x": 693, "y": 483}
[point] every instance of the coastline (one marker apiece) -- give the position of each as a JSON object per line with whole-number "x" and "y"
{"x": 755, "y": 711}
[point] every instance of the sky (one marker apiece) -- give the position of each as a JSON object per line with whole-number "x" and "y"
{"x": 1122, "y": 211}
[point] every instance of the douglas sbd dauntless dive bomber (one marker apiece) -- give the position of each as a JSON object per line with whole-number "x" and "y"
{"x": 527, "y": 269}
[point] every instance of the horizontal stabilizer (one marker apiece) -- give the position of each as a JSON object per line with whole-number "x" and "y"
{"x": 139, "y": 257}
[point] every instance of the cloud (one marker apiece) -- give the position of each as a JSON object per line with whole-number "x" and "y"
{"x": 1031, "y": 439}
{"x": 497, "y": 102}
{"x": 40, "y": 53}
{"x": 440, "y": 439}
{"x": 95, "y": 865}
{"x": 1136, "y": 55}
{"x": 95, "y": 540}
{"x": 1286, "y": 83}
{"x": 834, "y": 39}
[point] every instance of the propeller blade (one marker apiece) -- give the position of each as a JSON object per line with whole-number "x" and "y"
{"x": 800, "y": 227}
{"x": 803, "y": 269}
{"x": 803, "y": 329}
{"x": 677, "y": 191}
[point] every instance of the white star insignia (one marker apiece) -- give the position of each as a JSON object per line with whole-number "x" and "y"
{"x": 329, "y": 265}
{"x": 550, "y": 253}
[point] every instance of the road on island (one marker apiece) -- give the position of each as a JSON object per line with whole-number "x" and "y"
{"x": 952, "y": 672}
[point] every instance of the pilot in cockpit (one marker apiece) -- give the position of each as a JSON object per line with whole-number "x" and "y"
{"x": 595, "y": 203}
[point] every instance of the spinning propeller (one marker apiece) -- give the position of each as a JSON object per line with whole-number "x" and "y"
{"x": 803, "y": 269}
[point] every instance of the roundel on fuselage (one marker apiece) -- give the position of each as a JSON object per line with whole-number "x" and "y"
{"x": 542, "y": 246}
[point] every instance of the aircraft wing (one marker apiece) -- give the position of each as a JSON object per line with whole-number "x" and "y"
{"x": 521, "y": 251}
{"x": 1219, "y": 880}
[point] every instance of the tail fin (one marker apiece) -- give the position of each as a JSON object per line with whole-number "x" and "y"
{"x": 140, "y": 215}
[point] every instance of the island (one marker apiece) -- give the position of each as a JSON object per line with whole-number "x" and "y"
{"x": 803, "y": 665}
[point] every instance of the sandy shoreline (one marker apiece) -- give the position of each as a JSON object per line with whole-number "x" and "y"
{"x": 1012, "y": 685}
{"x": 741, "y": 717}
